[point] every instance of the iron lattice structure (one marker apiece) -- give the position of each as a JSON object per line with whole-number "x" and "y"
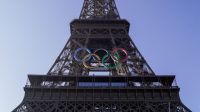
{"x": 70, "y": 86}
{"x": 99, "y": 9}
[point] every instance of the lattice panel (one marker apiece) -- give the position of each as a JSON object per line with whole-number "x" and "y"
{"x": 62, "y": 106}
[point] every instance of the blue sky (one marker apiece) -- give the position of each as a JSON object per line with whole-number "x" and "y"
{"x": 33, "y": 33}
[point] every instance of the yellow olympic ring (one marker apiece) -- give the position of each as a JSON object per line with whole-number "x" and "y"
{"x": 90, "y": 67}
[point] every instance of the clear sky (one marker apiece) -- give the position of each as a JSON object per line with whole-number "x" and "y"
{"x": 33, "y": 33}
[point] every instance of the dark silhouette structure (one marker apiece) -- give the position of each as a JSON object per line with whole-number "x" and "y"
{"x": 101, "y": 70}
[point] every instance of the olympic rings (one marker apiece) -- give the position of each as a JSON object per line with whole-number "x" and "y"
{"x": 102, "y": 57}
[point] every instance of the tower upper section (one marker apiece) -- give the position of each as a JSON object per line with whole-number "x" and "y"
{"x": 99, "y": 9}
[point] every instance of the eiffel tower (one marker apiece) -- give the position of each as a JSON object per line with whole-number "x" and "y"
{"x": 101, "y": 70}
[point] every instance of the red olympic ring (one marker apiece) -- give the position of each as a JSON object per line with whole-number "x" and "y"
{"x": 115, "y": 51}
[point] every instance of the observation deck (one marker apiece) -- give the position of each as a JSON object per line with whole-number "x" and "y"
{"x": 106, "y": 88}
